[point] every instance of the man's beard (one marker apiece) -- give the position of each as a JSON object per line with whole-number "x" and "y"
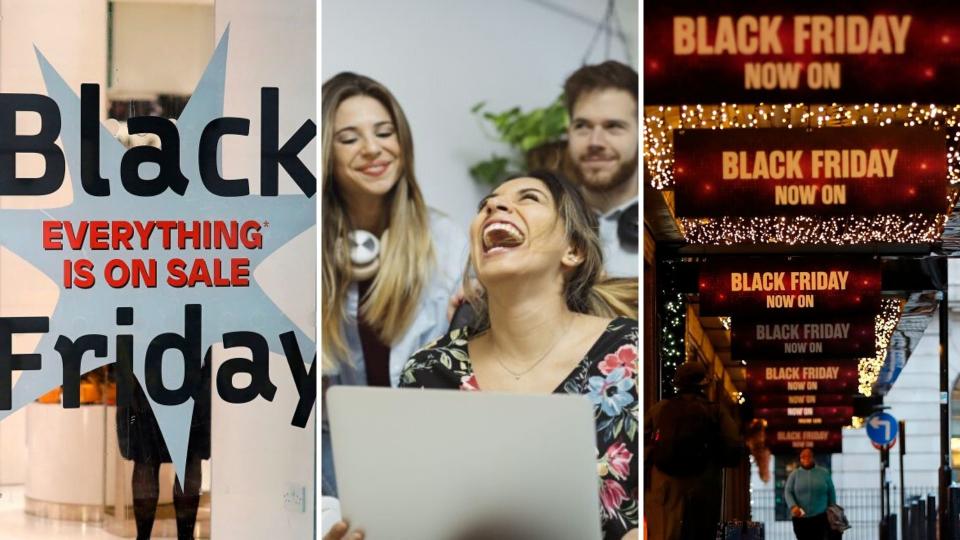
{"x": 602, "y": 185}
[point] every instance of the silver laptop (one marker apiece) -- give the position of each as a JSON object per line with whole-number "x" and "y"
{"x": 450, "y": 465}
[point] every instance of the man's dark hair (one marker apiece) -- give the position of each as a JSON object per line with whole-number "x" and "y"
{"x": 608, "y": 75}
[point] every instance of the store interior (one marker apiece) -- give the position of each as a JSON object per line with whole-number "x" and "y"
{"x": 81, "y": 472}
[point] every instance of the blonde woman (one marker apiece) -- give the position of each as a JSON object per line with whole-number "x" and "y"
{"x": 390, "y": 264}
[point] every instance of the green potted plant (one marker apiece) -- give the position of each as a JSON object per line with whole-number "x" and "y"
{"x": 537, "y": 137}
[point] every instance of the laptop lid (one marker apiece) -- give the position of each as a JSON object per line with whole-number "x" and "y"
{"x": 450, "y": 465}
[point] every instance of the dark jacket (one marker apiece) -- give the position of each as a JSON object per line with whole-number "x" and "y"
{"x": 728, "y": 448}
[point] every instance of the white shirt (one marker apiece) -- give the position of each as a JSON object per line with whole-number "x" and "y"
{"x": 430, "y": 321}
{"x": 619, "y": 260}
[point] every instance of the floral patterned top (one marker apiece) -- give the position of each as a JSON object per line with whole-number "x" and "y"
{"x": 606, "y": 375}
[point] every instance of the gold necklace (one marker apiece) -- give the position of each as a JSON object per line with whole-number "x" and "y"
{"x": 516, "y": 375}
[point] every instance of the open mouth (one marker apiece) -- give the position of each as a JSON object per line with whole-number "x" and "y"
{"x": 501, "y": 236}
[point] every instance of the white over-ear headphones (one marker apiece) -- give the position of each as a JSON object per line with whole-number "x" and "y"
{"x": 365, "y": 248}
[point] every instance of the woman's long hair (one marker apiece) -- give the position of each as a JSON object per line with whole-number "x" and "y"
{"x": 407, "y": 257}
{"x": 585, "y": 290}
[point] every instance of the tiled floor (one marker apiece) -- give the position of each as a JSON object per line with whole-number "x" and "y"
{"x": 15, "y": 524}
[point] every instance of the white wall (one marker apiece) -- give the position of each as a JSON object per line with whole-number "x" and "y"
{"x": 159, "y": 48}
{"x": 257, "y": 456}
{"x": 71, "y": 35}
{"x": 13, "y": 449}
{"x": 914, "y": 399}
{"x": 441, "y": 58}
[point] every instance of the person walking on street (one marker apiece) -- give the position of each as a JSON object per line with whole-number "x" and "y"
{"x": 809, "y": 491}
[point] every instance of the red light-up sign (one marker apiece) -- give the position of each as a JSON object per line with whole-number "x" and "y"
{"x": 806, "y": 416}
{"x": 801, "y": 287}
{"x": 819, "y": 377}
{"x": 783, "y": 399}
{"x": 790, "y": 340}
{"x": 787, "y": 52}
{"x": 824, "y": 172}
{"x": 791, "y": 441}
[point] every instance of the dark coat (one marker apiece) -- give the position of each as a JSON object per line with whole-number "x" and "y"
{"x": 139, "y": 435}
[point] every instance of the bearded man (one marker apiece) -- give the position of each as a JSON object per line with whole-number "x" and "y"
{"x": 603, "y": 154}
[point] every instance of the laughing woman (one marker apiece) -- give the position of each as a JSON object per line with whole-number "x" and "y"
{"x": 390, "y": 264}
{"x": 547, "y": 323}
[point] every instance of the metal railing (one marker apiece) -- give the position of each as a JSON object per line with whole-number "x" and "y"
{"x": 862, "y": 508}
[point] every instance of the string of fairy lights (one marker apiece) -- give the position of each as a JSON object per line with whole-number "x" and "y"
{"x": 673, "y": 323}
{"x": 885, "y": 323}
{"x": 869, "y": 368}
{"x": 660, "y": 123}
{"x": 838, "y": 230}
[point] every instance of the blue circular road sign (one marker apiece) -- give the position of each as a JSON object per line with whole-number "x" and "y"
{"x": 882, "y": 428}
